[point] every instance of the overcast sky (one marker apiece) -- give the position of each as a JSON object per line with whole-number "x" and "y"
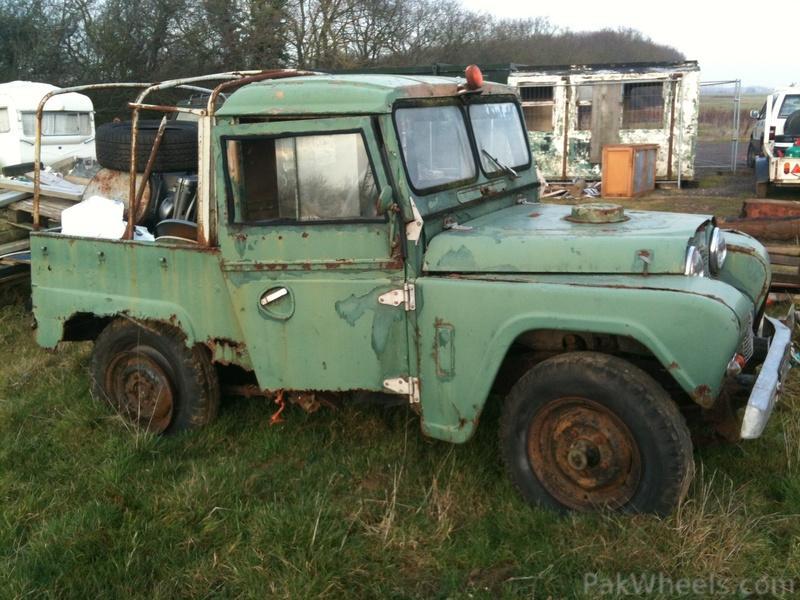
{"x": 721, "y": 36}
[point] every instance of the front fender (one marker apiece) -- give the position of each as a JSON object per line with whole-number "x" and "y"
{"x": 692, "y": 325}
{"x": 747, "y": 266}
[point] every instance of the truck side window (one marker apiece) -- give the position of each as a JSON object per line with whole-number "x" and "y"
{"x": 303, "y": 178}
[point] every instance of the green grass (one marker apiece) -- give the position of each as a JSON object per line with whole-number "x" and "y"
{"x": 715, "y": 118}
{"x": 349, "y": 502}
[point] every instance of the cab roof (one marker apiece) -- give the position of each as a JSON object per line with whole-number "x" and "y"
{"x": 340, "y": 94}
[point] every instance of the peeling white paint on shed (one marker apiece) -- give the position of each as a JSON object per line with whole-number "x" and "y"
{"x": 653, "y": 103}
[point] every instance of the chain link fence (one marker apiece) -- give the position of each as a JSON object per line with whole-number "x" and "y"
{"x": 724, "y": 126}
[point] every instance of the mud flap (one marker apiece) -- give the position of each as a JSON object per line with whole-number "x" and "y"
{"x": 762, "y": 169}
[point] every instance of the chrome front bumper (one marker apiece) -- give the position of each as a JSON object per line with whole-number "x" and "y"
{"x": 768, "y": 383}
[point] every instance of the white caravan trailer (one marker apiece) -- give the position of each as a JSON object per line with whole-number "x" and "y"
{"x": 67, "y": 124}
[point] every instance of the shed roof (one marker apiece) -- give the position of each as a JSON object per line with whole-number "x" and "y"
{"x": 340, "y": 94}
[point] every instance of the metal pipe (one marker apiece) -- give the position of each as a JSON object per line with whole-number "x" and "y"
{"x": 737, "y": 99}
{"x": 171, "y": 83}
{"x": 37, "y": 146}
{"x": 241, "y": 77}
{"x": 148, "y": 169}
{"x": 168, "y": 109}
{"x": 132, "y": 204}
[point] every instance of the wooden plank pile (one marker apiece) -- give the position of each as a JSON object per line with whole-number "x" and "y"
{"x": 776, "y": 224}
{"x": 16, "y": 209}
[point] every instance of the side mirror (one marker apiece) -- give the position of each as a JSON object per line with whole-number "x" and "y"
{"x": 754, "y": 114}
{"x": 385, "y": 199}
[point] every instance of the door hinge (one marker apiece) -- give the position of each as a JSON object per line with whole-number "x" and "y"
{"x": 404, "y": 386}
{"x": 404, "y": 295}
{"x": 414, "y": 227}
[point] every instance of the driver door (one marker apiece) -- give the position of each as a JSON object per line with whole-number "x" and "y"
{"x": 309, "y": 261}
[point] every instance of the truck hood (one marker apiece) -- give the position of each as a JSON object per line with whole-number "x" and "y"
{"x": 536, "y": 238}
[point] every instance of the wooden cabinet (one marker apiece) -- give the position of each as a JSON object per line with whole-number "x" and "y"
{"x": 629, "y": 170}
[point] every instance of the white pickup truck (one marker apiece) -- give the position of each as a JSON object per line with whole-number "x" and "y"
{"x": 776, "y": 129}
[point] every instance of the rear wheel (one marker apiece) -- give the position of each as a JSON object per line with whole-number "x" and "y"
{"x": 149, "y": 375}
{"x": 584, "y": 431}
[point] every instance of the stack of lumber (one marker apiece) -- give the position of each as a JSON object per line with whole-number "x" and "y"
{"x": 57, "y": 193}
{"x": 16, "y": 209}
{"x": 785, "y": 262}
{"x": 776, "y": 224}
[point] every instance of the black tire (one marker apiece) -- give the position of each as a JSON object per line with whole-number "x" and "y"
{"x": 616, "y": 426}
{"x": 751, "y": 156}
{"x": 177, "y": 151}
{"x": 791, "y": 126}
{"x": 131, "y": 362}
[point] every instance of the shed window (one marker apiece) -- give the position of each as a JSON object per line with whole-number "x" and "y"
{"x": 5, "y": 126}
{"x": 583, "y": 98}
{"x": 537, "y": 107}
{"x": 643, "y": 105}
{"x": 306, "y": 178}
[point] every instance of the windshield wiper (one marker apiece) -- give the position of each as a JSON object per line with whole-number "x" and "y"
{"x": 503, "y": 167}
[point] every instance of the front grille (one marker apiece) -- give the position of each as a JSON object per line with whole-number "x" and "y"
{"x": 746, "y": 347}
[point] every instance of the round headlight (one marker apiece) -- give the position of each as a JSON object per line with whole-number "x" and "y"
{"x": 694, "y": 265}
{"x": 717, "y": 250}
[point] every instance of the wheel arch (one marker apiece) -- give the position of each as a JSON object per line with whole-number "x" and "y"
{"x": 455, "y": 414}
{"x": 86, "y": 325}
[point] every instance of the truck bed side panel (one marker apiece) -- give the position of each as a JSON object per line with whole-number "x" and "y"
{"x": 180, "y": 285}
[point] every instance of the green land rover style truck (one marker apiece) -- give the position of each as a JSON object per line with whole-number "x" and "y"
{"x": 383, "y": 234}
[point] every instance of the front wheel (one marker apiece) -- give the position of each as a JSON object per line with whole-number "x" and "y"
{"x": 152, "y": 378}
{"x": 584, "y": 431}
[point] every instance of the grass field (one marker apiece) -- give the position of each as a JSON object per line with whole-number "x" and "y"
{"x": 715, "y": 119}
{"x": 351, "y": 502}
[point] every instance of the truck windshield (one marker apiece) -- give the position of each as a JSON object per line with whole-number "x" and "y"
{"x": 500, "y": 137}
{"x": 435, "y": 146}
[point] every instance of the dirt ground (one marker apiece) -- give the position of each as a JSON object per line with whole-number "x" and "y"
{"x": 718, "y": 193}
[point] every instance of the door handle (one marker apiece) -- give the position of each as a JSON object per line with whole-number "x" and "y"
{"x": 272, "y": 295}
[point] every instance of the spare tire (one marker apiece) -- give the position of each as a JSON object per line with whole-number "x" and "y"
{"x": 177, "y": 152}
{"x": 792, "y": 125}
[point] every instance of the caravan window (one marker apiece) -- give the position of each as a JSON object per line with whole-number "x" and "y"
{"x": 4, "y": 124}
{"x": 58, "y": 123}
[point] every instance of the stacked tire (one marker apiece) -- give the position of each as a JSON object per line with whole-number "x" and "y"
{"x": 177, "y": 151}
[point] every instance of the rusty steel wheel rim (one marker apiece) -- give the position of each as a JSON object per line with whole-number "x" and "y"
{"x": 140, "y": 386}
{"x": 583, "y": 454}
